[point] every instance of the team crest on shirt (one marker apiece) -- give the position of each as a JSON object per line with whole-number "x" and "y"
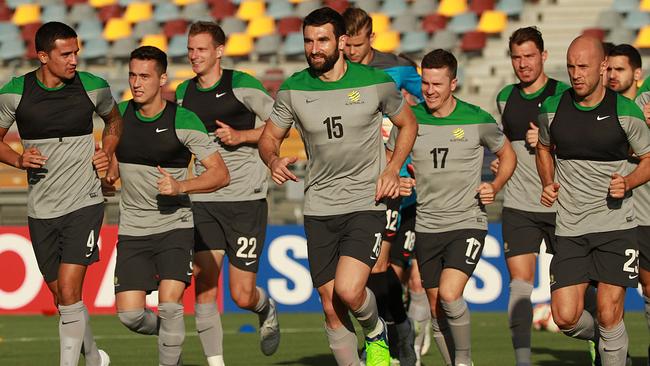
{"x": 458, "y": 135}
{"x": 354, "y": 97}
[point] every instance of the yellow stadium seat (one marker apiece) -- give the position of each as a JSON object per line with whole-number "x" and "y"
{"x": 238, "y": 44}
{"x": 251, "y": 9}
{"x": 387, "y": 41}
{"x": 643, "y": 39}
{"x": 101, "y": 3}
{"x": 450, "y": 8}
{"x": 138, "y": 12}
{"x": 293, "y": 146}
{"x": 173, "y": 85}
{"x": 261, "y": 26}
{"x": 297, "y": 1}
{"x": 186, "y": 2}
{"x": 117, "y": 28}
{"x": 644, "y": 5}
{"x": 380, "y": 22}
{"x": 156, "y": 40}
{"x": 492, "y": 21}
{"x": 126, "y": 95}
{"x": 184, "y": 73}
{"x": 26, "y": 14}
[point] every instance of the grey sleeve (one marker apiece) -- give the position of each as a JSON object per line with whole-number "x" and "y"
{"x": 642, "y": 99}
{"x": 392, "y": 138}
{"x": 544, "y": 122}
{"x": 638, "y": 134}
{"x": 8, "y": 104}
{"x": 104, "y": 101}
{"x": 391, "y": 100}
{"x": 256, "y": 101}
{"x": 491, "y": 136}
{"x": 282, "y": 114}
{"x": 198, "y": 142}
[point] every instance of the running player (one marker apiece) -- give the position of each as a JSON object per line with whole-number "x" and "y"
{"x": 525, "y": 220}
{"x": 338, "y": 107}
{"x": 383, "y": 281}
{"x": 156, "y": 236}
{"x": 624, "y": 70}
{"x": 53, "y": 108}
{"x": 232, "y": 221}
{"x": 451, "y": 222}
{"x": 591, "y": 130}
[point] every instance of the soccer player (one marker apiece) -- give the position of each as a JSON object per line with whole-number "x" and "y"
{"x": 156, "y": 236}
{"x": 624, "y": 70}
{"x": 591, "y": 130}
{"x": 525, "y": 220}
{"x": 383, "y": 281}
{"x": 451, "y": 222}
{"x": 53, "y": 108}
{"x": 233, "y": 106}
{"x": 337, "y": 107}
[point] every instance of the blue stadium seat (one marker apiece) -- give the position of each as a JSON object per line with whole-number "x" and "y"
{"x": 90, "y": 28}
{"x": 512, "y": 8}
{"x": 636, "y": 20}
{"x": 414, "y": 42}
{"x": 94, "y": 49}
{"x": 423, "y": 8}
{"x": 625, "y": 6}
{"x": 370, "y": 6}
{"x": 621, "y": 35}
{"x": 9, "y": 32}
{"x": 279, "y": 9}
{"x": 609, "y": 19}
{"x": 232, "y": 25}
{"x": 196, "y": 11}
{"x": 267, "y": 45}
{"x": 445, "y": 39}
{"x": 121, "y": 49}
{"x": 394, "y": 8}
{"x": 12, "y": 50}
{"x": 293, "y": 45}
{"x": 462, "y": 23}
{"x": 14, "y": 3}
{"x": 405, "y": 23}
{"x": 54, "y": 12}
{"x": 177, "y": 46}
{"x": 165, "y": 12}
{"x": 141, "y": 29}
{"x": 305, "y": 7}
{"x": 79, "y": 12}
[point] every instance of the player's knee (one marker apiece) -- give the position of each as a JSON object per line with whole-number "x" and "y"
{"x": 646, "y": 289}
{"x": 565, "y": 318}
{"x": 610, "y": 316}
{"x": 206, "y": 295}
{"x": 68, "y": 295}
{"x": 243, "y": 296}
{"x": 448, "y": 294}
{"x": 351, "y": 297}
{"x": 131, "y": 319}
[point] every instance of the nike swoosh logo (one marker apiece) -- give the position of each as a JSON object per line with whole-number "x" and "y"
{"x": 599, "y": 118}
{"x": 310, "y": 100}
{"x": 249, "y": 263}
{"x": 66, "y": 323}
{"x": 202, "y": 330}
{"x": 470, "y": 262}
{"x": 219, "y": 95}
{"x": 632, "y": 276}
{"x": 159, "y": 130}
{"x": 89, "y": 254}
{"x": 189, "y": 273}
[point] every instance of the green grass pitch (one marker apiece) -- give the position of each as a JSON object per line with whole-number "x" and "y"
{"x": 32, "y": 340}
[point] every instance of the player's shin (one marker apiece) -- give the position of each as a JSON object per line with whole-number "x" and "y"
{"x": 72, "y": 327}
{"x": 208, "y": 326}
{"x": 520, "y": 316}
{"x": 172, "y": 333}
{"x": 459, "y": 324}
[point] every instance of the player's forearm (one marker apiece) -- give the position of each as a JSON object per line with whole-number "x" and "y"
{"x": 507, "y": 165}
{"x": 9, "y": 156}
{"x": 112, "y": 132}
{"x": 210, "y": 180}
{"x": 251, "y": 136}
{"x": 545, "y": 164}
{"x": 640, "y": 175}
{"x": 403, "y": 145}
{"x": 269, "y": 148}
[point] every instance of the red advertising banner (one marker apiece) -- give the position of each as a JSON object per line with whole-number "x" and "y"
{"x": 23, "y": 291}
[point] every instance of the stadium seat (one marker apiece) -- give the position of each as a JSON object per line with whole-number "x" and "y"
{"x": 414, "y": 42}
{"x": 609, "y": 19}
{"x": 293, "y": 45}
{"x": 268, "y": 45}
{"x": 405, "y": 23}
{"x": 121, "y": 48}
{"x": 81, "y": 12}
{"x": 238, "y": 45}
{"x": 644, "y": 5}
{"x": 186, "y": 2}
{"x": 492, "y": 21}
{"x": 165, "y": 12}
{"x": 450, "y": 8}
{"x": 445, "y": 39}
{"x": 5, "y": 13}
{"x": 598, "y": 33}
{"x": 387, "y": 41}
{"x": 13, "y": 4}
{"x": 511, "y": 7}
{"x": 279, "y": 9}
{"x": 380, "y": 22}
{"x": 196, "y": 11}
{"x": 30, "y": 50}
{"x": 175, "y": 27}
{"x": 177, "y": 46}
{"x": 304, "y": 8}
{"x": 117, "y": 28}
{"x": 289, "y": 25}
{"x": 338, "y": 5}
{"x": 141, "y": 29}
{"x": 126, "y": 95}
{"x": 643, "y": 39}
{"x": 394, "y": 8}
{"x": 473, "y": 41}
{"x": 108, "y": 12}
{"x": 138, "y": 12}
{"x": 261, "y": 26}
{"x": 156, "y": 40}
{"x": 221, "y": 9}
{"x": 625, "y": 6}
{"x": 463, "y": 23}
{"x": 9, "y": 33}
{"x": 621, "y": 35}
{"x": 94, "y": 49}
{"x": 251, "y": 9}
{"x": 370, "y": 6}
{"x": 636, "y": 20}
{"x": 54, "y": 12}
{"x": 27, "y": 13}
{"x": 433, "y": 23}
{"x": 74, "y": 2}
{"x": 28, "y": 31}
{"x": 90, "y": 28}
{"x": 12, "y": 51}
{"x": 102, "y": 3}
{"x": 423, "y": 8}
{"x": 479, "y": 6}
{"x": 233, "y": 25}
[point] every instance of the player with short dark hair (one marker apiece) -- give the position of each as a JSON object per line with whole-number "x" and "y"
{"x": 624, "y": 70}
{"x": 53, "y": 108}
{"x": 451, "y": 222}
{"x": 337, "y": 107}
{"x": 156, "y": 236}
{"x": 591, "y": 130}
{"x": 233, "y": 107}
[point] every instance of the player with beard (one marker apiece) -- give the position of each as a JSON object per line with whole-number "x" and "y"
{"x": 338, "y": 108}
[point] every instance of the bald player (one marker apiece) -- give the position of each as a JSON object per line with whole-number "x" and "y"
{"x": 591, "y": 129}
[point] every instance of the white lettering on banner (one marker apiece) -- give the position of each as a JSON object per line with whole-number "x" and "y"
{"x": 487, "y": 273}
{"x": 289, "y": 268}
{"x": 33, "y": 280}
{"x": 542, "y": 293}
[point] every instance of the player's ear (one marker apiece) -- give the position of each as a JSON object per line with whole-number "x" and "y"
{"x": 343, "y": 40}
{"x": 43, "y": 57}
{"x": 637, "y": 74}
{"x": 220, "y": 51}
{"x": 453, "y": 84}
{"x": 544, "y": 55}
{"x": 163, "y": 79}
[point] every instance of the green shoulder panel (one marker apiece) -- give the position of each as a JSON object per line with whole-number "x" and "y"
{"x": 645, "y": 87}
{"x": 626, "y": 107}
{"x": 241, "y": 79}
{"x": 122, "y": 107}
{"x": 14, "y": 86}
{"x": 188, "y": 120}
{"x": 551, "y": 103}
{"x": 504, "y": 94}
{"x": 181, "y": 89}
{"x": 92, "y": 82}
{"x": 357, "y": 76}
{"x": 561, "y": 87}
{"x": 473, "y": 113}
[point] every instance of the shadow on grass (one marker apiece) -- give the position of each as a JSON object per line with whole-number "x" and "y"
{"x": 315, "y": 360}
{"x": 563, "y": 357}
